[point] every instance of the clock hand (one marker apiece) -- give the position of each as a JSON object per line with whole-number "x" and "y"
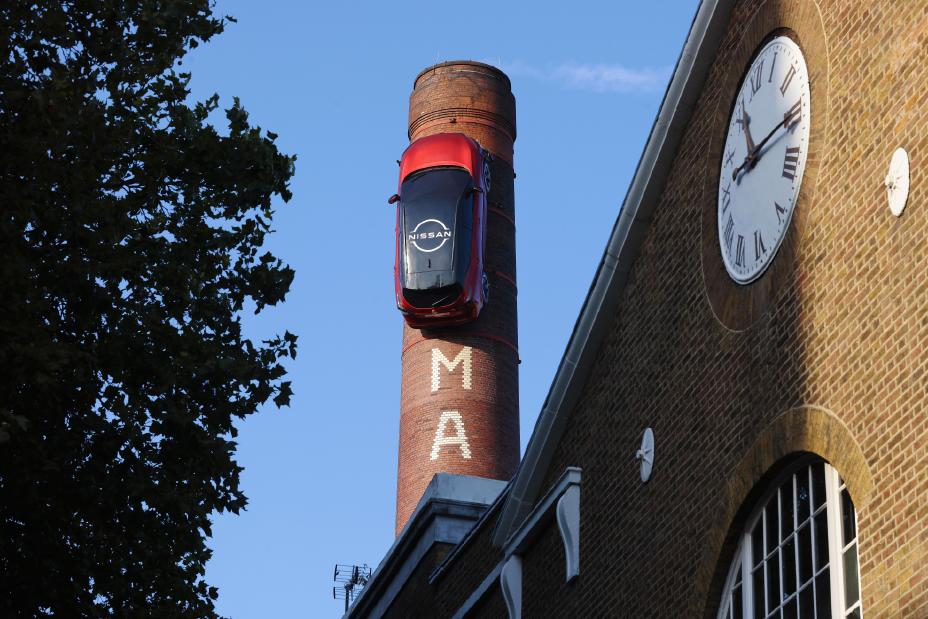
{"x": 749, "y": 160}
{"x": 745, "y": 123}
{"x": 784, "y": 124}
{"x": 754, "y": 153}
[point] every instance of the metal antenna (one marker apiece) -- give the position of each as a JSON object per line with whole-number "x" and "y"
{"x": 351, "y": 579}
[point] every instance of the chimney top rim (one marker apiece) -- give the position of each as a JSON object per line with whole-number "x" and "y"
{"x": 491, "y": 70}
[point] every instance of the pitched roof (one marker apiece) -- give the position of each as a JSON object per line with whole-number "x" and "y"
{"x": 601, "y": 302}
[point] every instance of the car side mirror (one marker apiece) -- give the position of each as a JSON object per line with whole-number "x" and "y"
{"x": 394, "y": 199}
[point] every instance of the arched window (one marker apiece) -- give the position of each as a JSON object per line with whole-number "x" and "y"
{"x": 797, "y": 557}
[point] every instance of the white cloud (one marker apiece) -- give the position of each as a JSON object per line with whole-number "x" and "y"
{"x": 610, "y": 78}
{"x": 600, "y": 77}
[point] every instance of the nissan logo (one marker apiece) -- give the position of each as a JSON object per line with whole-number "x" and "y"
{"x": 430, "y": 235}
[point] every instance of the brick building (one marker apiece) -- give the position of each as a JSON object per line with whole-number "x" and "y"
{"x": 783, "y": 376}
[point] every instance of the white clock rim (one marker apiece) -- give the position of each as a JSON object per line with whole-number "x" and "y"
{"x": 781, "y": 39}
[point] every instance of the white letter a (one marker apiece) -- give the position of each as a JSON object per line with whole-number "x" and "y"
{"x": 458, "y": 438}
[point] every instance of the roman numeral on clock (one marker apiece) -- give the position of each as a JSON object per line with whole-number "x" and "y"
{"x": 759, "y": 249}
{"x": 729, "y": 233}
{"x": 790, "y": 162}
{"x": 787, "y": 79}
{"x": 780, "y": 212}
{"x": 772, "y": 65}
{"x": 757, "y": 78}
{"x": 726, "y": 199}
{"x": 739, "y": 252}
{"x": 793, "y": 114}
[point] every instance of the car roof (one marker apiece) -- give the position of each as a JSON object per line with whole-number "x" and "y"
{"x": 441, "y": 149}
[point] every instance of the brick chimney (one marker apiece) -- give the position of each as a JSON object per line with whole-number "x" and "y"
{"x": 459, "y": 409}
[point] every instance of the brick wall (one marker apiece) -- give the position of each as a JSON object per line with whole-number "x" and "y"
{"x": 416, "y": 598}
{"x": 845, "y": 331}
{"x": 464, "y": 572}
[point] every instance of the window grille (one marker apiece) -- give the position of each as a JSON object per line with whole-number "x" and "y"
{"x": 797, "y": 558}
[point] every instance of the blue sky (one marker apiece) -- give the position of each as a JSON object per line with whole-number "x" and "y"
{"x": 333, "y": 80}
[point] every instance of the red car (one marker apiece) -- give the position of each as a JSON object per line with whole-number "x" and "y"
{"x": 441, "y": 231}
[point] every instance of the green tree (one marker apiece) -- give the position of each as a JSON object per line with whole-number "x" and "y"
{"x": 130, "y": 236}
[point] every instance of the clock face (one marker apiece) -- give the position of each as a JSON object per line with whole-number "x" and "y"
{"x": 764, "y": 158}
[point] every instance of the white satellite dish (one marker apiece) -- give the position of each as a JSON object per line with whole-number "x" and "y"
{"x": 645, "y": 455}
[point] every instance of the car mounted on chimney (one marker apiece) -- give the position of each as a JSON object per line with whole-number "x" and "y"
{"x": 441, "y": 231}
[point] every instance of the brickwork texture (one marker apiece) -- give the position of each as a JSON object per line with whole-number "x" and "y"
{"x": 830, "y": 357}
{"x": 842, "y": 330}
{"x": 449, "y": 422}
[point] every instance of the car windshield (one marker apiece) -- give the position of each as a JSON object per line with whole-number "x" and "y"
{"x": 436, "y": 212}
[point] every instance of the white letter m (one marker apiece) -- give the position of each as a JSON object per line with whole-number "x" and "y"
{"x": 439, "y": 359}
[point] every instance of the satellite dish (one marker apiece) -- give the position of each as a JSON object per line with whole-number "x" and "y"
{"x": 645, "y": 455}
